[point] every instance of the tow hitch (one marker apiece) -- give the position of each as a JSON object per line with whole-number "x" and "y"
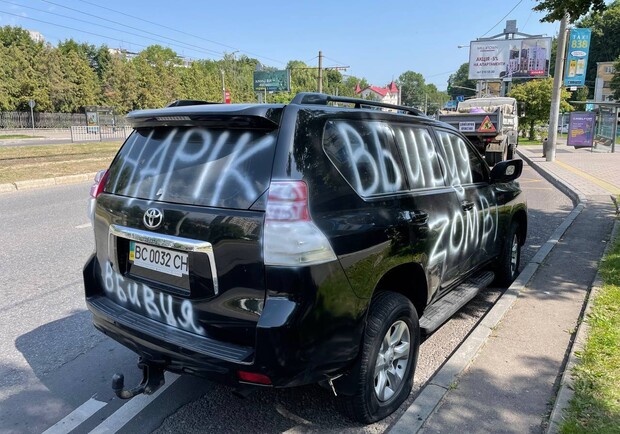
{"x": 152, "y": 379}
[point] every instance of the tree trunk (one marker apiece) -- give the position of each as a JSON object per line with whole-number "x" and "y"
{"x": 532, "y": 132}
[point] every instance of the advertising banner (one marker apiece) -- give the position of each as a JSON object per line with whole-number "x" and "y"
{"x": 508, "y": 58}
{"x": 577, "y": 57}
{"x": 581, "y": 129}
{"x": 272, "y": 81}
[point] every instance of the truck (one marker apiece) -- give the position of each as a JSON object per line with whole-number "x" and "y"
{"x": 491, "y": 124}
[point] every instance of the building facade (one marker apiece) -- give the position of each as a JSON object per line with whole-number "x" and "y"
{"x": 604, "y": 73}
{"x": 388, "y": 94}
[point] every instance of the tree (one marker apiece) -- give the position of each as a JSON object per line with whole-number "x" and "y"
{"x": 413, "y": 88}
{"x": 461, "y": 78}
{"x": 536, "y": 94}
{"x": 605, "y": 41}
{"x": 555, "y": 9}
{"x": 615, "y": 81}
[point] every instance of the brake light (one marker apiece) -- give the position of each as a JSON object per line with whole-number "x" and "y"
{"x": 291, "y": 238}
{"x": 253, "y": 377}
{"x": 100, "y": 179}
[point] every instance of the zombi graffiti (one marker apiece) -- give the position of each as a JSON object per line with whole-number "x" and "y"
{"x": 362, "y": 152}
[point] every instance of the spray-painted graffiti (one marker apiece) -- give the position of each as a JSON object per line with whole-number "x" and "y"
{"x": 195, "y": 165}
{"x": 361, "y": 151}
{"x": 158, "y": 306}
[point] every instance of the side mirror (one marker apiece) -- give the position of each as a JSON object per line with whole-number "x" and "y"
{"x": 506, "y": 171}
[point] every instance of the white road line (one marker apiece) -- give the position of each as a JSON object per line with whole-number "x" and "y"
{"x": 127, "y": 412}
{"x": 85, "y": 225}
{"x": 76, "y": 417}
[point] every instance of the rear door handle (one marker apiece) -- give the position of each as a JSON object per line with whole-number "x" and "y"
{"x": 467, "y": 205}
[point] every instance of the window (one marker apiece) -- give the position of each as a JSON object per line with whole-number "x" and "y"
{"x": 419, "y": 155}
{"x": 365, "y": 154}
{"x": 610, "y": 70}
{"x": 462, "y": 163}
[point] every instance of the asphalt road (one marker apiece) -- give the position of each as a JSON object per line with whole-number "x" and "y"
{"x": 52, "y": 360}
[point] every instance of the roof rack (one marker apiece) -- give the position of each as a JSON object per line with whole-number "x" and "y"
{"x": 184, "y": 102}
{"x": 323, "y": 99}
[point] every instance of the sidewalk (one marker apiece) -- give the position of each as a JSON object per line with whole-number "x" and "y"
{"x": 506, "y": 375}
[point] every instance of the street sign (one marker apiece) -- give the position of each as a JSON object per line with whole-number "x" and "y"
{"x": 227, "y": 97}
{"x": 272, "y": 81}
{"x": 460, "y": 98}
{"x": 450, "y": 104}
{"x": 31, "y": 103}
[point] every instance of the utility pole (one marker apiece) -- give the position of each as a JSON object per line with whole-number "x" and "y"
{"x": 223, "y": 87}
{"x": 557, "y": 92}
{"x": 320, "y": 72}
{"x": 426, "y": 103}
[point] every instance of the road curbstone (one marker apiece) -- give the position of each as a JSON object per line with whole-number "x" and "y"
{"x": 70, "y": 179}
{"x": 5, "y": 188}
{"x": 34, "y": 183}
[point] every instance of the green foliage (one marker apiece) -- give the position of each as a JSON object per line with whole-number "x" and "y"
{"x": 536, "y": 94}
{"x": 615, "y": 82}
{"x": 460, "y": 78}
{"x": 72, "y": 75}
{"x": 556, "y": 9}
{"x": 595, "y": 406}
{"x": 605, "y": 41}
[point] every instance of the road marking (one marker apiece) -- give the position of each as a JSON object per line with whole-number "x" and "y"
{"x": 127, "y": 412}
{"x": 76, "y": 417}
{"x": 85, "y": 225}
{"x": 603, "y": 184}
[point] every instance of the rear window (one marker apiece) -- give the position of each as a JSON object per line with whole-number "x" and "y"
{"x": 226, "y": 168}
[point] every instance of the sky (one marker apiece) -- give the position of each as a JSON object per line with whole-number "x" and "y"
{"x": 377, "y": 40}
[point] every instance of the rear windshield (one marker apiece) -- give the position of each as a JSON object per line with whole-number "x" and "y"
{"x": 226, "y": 168}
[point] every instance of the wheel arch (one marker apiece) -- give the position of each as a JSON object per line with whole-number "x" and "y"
{"x": 416, "y": 290}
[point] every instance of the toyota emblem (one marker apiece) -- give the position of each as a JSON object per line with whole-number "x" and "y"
{"x": 153, "y": 218}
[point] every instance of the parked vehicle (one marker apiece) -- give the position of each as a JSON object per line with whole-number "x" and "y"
{"x": 281, "y": 245}
{"x": 491, "y": 124}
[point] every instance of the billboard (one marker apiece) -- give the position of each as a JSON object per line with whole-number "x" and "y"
{"x": 577, "y": 57}
{"x": 509, "y": 58}
{"x": 272, "y": 81}
{"x": 581, "y": 129}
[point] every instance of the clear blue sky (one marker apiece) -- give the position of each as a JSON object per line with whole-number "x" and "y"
{"x": 378, "y": 40}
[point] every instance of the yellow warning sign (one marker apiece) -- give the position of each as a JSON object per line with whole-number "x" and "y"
{"x": 487, "y": 126}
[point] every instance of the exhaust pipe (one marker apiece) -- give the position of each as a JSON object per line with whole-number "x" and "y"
{"x": 152, "y": 380}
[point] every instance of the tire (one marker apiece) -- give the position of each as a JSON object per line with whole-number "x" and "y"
{"x": 379, "y": 366}
{"x": 510, "y": 258}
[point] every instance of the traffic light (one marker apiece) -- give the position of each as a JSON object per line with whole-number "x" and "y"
{"x": 449, "y": 86}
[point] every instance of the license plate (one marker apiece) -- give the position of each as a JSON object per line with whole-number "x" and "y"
{"x": 158, "y": 259}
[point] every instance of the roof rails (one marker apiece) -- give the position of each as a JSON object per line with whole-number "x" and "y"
{"x": 184, "y": 102}
{"x": 323, "y": 99}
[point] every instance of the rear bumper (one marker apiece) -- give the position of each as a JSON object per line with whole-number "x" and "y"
{"x": 299, "y": 340}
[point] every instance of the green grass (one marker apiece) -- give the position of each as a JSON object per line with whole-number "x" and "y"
{"x": 595, "y": 407}
{"x": 19, "y": 163}
{"x": 18, "y": 136}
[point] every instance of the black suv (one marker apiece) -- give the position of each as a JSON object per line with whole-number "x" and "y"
{"x": 282, "y": 245}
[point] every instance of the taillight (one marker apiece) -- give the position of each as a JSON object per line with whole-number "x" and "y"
{"x": 291, "y": 238}
{"x": 100, "y": 179}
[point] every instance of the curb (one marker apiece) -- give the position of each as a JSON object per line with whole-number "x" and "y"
{"x": 433, "y": 393}
{"x": 32, "y": 184}
{"x": 566, "y": 391}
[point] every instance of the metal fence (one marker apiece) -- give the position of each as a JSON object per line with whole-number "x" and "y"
{"x": 98, "y": 134}
{"x": 10, "y": 120}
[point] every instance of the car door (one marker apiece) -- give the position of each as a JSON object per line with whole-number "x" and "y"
{"x": 428, "y": 208}
{"x": 474, "y": 224}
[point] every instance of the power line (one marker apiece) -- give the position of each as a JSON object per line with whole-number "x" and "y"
{"x": 68, "y": 27}
{"x": 188, "y": 46}
{"x": 499, "y": 22}
{"x": 175, "y": 30}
